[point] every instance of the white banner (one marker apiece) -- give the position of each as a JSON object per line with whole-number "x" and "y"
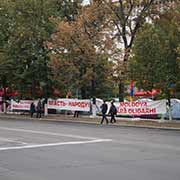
{"x": 21, "y": 105}
{"x": 128, "y": 108}
{"x": 69, "y": 104}
{"x": 140, "y": 108}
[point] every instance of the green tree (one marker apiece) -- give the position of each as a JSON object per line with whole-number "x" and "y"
{"x": 26, "y": 27}
{"x": 125, "y": 18}
{"x": 65, "y": 9}
{"x": 79, "y": 55}
{"x": 155, "y": 61}
{"x": 25, "y": 46}
{"x": 6, "y": 28}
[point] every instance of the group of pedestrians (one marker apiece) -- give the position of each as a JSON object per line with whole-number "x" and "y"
{"x": 104, "y": 108}
{"x": 112, "y": 112}
{"x": 37, "y": 109}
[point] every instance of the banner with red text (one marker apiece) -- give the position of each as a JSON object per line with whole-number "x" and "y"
{"x": 69, "y": 104}
{"x": 141, "y": 108}
{"x": 21, "y": 105}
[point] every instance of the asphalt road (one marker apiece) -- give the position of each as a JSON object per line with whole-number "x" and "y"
{"x": 34, "y": 150}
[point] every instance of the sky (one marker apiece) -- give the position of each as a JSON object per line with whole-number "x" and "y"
{"x": 85, "y": 1}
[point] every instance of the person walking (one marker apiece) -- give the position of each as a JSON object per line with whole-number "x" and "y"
{"x": 76, "y": 114}
{"x": 39, "y": 109}
{"x": 113, "y": 112}
{"x": 32, "y": 109}
{"x": 104, "y": 108}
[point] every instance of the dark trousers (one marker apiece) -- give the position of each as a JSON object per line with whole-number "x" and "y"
{"x": 104, "y": 117}
{"x": 38, "y": 114}
{"x": 76, "y": 114}
{"x": 32, "y": 114}
{"x": 113, "y": 118}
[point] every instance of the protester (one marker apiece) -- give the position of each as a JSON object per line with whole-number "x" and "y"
{"x": 76, "y": 113}
{"x": 32, "y": 109}
{"x": 104, "y": 108}
{"x": 113, "y": 112}
{"x": 39, "y": 109}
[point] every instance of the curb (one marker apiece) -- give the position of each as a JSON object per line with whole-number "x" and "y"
{"x": 95, "y": 122}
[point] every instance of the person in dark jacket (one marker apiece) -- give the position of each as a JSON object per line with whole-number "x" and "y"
{"x": 32, "y": 109}
{"x": 113, "y": 112}
{"x": 104, "y": 108}
{"x": 39, "y": 109}
{"x": 76, "y": 114}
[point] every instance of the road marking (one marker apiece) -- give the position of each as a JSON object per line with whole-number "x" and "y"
{"x": 11, "y": 140}
{"x": 54, "y": 144}
{"x": 90, "y": 139}
{"x": 47, "y": 133}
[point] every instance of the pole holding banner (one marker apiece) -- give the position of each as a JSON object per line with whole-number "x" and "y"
{"x": 4, "y": 107}
{"x": 1, "y": 104}
{"x": 45, "y": 106}
{"x": 45, "y": 109}
{"x": 169, "y": 110}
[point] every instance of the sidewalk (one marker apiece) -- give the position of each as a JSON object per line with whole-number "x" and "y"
{"x": 125, "y": 122}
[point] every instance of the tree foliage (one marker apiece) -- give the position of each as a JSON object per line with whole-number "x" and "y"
{"x": 25, "y": 28}
{"x": 155, "y": 62}
{"x": 6, "y": 28}
{"x": 125, "y": 18}
{"x": 79, "y": 58}
{"x": 46, "y": 44}
{"x": 26, "y": 46}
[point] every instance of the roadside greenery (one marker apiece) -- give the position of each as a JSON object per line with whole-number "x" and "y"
{"x": 49, "y": 46}
{"x": 154, "y": 62}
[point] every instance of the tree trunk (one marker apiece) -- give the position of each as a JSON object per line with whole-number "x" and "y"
{"x": 83, "y": 93}
{"x": 33, "y": 93}
{"x": 121, "y": 91}
{"x": 93, "y": 88}
{"x": 123, "y": 75}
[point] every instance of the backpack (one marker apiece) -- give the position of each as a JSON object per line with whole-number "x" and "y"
{"x": 113, "y": 110}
